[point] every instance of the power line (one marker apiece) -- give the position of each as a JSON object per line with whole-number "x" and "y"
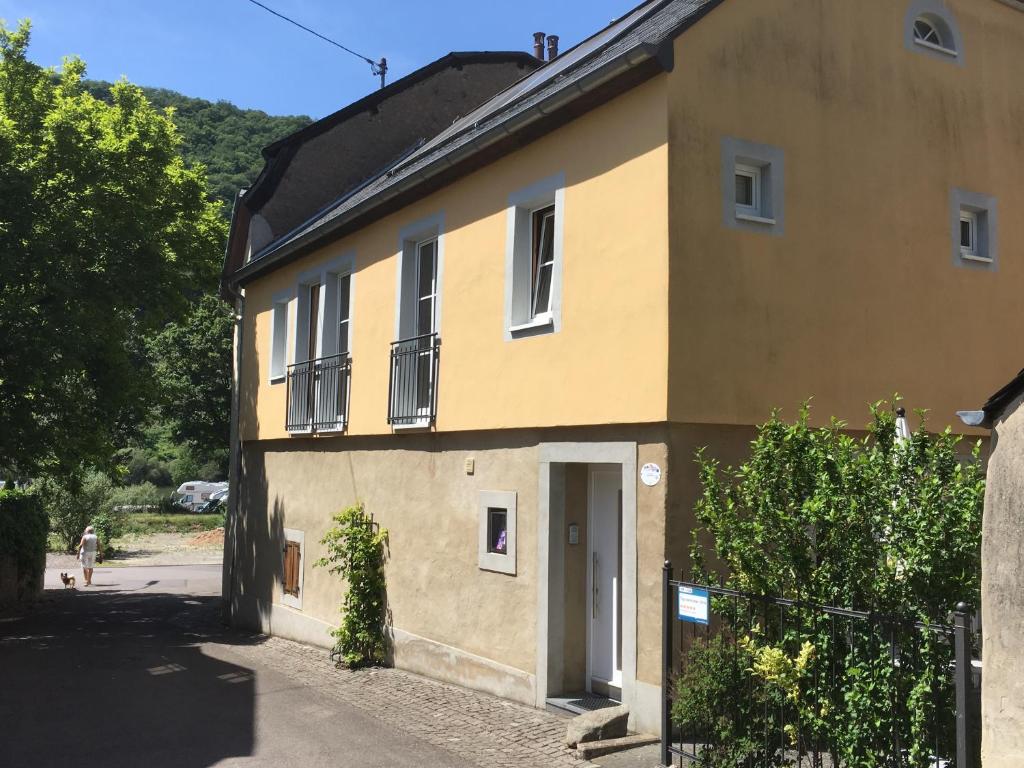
{"x": 376, "y": 67}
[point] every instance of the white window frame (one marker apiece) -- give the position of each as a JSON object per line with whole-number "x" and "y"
{"x": 495, "y": 561}
{"x": 279, "y": 338}
{"x": 981, "y": 212}
{"x": 326, "y": 275}
{"x": 765, "y": 164}
{"x": 521, "y": 317}
{"x": 753, "y": 172}
{"x": 969, "y": 251}
{"x": 407, "y": 298}
{"x": 290, "y": 534}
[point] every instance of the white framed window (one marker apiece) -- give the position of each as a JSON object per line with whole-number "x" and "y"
{"x": 319, "y": 376}
{"x": 930, "y": 28}
{"x": 414, "y": 353}
{"x": 748, "y": 189}
{"x": 974, "y": 230}
{"x": 497, "y": 531}
{"x": 344, "y": 314}
{"x": 542, "y": 259}
{"x": 968, "y": 234}
{"x": 752, "y": 186}
{"x": 533, "y": 259}
{"x": 278, "y": 340}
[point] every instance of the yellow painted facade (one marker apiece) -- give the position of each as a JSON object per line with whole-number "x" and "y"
{"x": 859, "y": 297}
{"x": 607, "y": 364}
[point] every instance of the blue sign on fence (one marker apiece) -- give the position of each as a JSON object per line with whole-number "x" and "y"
{"x": 693, "y": 605}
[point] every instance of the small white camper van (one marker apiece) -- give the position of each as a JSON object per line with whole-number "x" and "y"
{"x": 195, "y": 493}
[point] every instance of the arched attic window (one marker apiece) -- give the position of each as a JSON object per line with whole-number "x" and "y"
{"x": 931, "y": 29}
{"x": 934, "y": 33}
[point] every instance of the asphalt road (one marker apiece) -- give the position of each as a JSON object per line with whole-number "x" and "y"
{"x": 137, "y": 671}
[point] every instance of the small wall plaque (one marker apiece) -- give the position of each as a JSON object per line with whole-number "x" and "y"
{"x": 650, "y": 474}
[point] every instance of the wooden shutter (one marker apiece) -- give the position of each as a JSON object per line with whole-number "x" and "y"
{"x": 292, "y": 563}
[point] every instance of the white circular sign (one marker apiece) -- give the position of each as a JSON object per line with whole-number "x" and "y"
{"x": 650, "y": 474}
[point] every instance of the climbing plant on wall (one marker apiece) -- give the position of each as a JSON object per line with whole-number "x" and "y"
{"x": 356, "y": 551}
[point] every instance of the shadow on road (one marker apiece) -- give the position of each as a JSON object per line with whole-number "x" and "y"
{"x": 119, "y": 679}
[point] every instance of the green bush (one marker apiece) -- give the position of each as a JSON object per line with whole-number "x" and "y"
{"x": 355, "y": 551}
{"x": 872, "y": 524}
{"x": 72, "y": 502}
{"x": 23, "y": 527}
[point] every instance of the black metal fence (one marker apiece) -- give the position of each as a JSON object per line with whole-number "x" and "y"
{"x": 762, "y": 682}
{"x": 318, "y": 393}
{"x": 412, "y": 388}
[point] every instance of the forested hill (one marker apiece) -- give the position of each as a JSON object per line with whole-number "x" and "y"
{"x": 224, "y": 138}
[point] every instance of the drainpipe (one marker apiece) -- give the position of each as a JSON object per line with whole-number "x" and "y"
{"x": 232, "y": 522}
{"x": 538, "y": 45}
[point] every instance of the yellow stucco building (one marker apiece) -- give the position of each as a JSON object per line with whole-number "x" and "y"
{"x": 705, "y": 211}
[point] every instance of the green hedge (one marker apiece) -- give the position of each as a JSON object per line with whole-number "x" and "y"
{"x": 23, "y": 529}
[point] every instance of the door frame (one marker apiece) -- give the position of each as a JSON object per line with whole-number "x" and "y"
{"x": 551, "y": 537}
{"x": 593, "y": 470}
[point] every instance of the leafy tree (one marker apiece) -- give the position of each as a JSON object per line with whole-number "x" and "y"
{"x": 192, "y": 360}
{"x": 105, "y": 233}
{"x": 74, "y": 501}
{"x": 821, "y": 517}
{"x": 223, "y": 138}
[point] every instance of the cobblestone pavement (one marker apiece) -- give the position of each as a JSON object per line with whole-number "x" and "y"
{"x": 477, "y": 727}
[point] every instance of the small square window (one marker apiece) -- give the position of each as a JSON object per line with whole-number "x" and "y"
{"x": 753, "y": 177}
{"x": 497, "y": 534}
{"x": 974, "y": 231}
{"x": 497, "y": 530}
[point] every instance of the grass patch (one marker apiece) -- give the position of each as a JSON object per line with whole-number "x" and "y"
{"x": 144, "y": 523}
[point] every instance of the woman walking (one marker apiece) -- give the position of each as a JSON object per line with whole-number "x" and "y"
{"x": 87, "y": 553}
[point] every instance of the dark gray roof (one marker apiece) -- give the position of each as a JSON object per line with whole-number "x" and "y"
{"x": 635, "y": 39}
{"x": 997, "y": 403}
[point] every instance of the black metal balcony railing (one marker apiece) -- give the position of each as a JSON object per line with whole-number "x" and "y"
{"x": 318, "y": 394}
{"x": 412, "y": 389}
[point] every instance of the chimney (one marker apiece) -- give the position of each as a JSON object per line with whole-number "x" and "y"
{"x": 538, "y": 45}
{"x": 552, "y": 47}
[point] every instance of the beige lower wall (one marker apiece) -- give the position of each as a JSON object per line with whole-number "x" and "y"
{"x": 452, "y": 620}
{"x": 1002, "y": 596}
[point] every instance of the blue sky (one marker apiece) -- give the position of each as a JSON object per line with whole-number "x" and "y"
{"x": 230, "y": 49}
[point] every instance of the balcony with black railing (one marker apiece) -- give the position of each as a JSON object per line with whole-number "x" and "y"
{"x": 412, "y": 388}
{"x": 318, "y": 393}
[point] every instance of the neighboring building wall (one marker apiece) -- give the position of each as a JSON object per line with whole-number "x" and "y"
{"x": 854, "y": 296}
{"x": 608, "y": 359}
{"x": 1002, "y": 595}
{"x": 327, "y": 165}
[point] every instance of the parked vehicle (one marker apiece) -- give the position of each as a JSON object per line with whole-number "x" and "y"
{"x": 194, "y": 494}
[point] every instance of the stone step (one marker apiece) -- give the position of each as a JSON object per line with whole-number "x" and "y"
{"x": 591, "y": 749}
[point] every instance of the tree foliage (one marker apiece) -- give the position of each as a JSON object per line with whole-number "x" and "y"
{"x": 105, "y": 233}
{"x": 821, "y": 517}
{"x": 355, "y": 551}
{"x": 223, "y": 138}
{"x": 192, "y": 360}
{"x": 76, "y": 500}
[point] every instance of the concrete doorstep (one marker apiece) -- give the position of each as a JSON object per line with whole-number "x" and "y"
{"x": 590, "y": 749}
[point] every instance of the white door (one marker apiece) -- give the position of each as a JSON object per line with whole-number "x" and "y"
{"x": 604, "y": 534}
